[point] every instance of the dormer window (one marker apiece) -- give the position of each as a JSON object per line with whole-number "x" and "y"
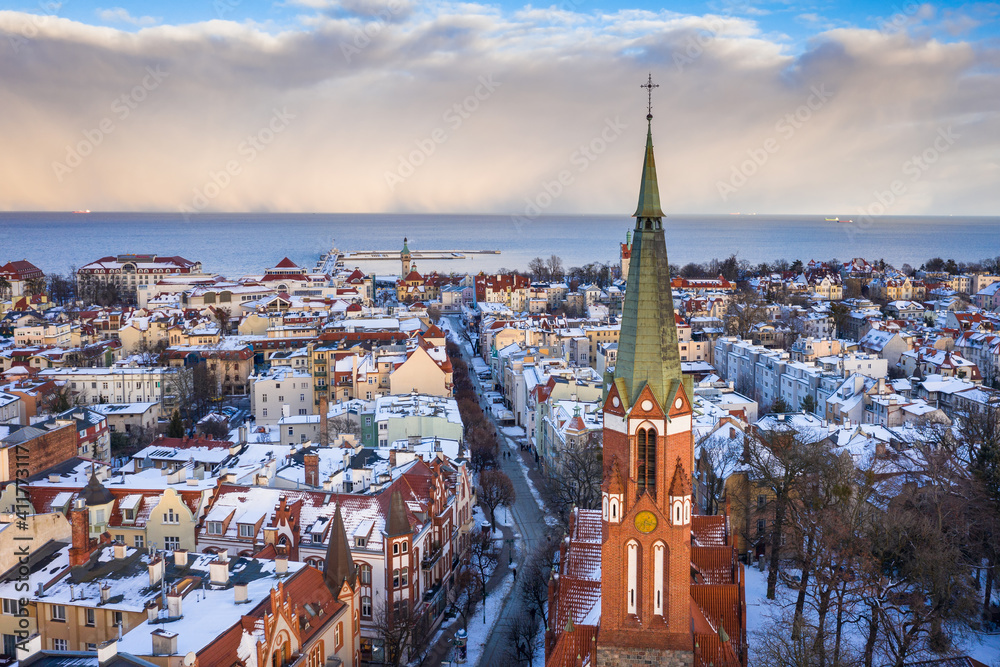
{"x": 214, "y": 527}
{"x": 247, "y": 530}
{"x": 361, "y": 542}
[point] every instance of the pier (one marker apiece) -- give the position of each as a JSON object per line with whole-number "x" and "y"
{"x": 335, "y": 258}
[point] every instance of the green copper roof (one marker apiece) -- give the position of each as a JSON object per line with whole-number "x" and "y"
{"x": 649, "y": 191}
{"x": 647, "y": 347}
{"x": 406, "y": 250}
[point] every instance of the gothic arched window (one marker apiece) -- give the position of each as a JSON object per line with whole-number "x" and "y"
{"x": 645, "y": 456}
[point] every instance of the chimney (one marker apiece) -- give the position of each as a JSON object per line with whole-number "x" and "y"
{"x": 29, "y": 647}
{"x": 181, "y": 558}
{"x": 219, "y": 570}
{"x": 280, "y": 565}
{"x": 152, "y": 610}
{"x": 119, "y": 551}
{"x": 105, "y": 593}
{"x": 311, "y": 462}
{"x": 107, "y": 651}
{"x": 240, "y": 592}
{"x": 174, "y": 601}
{"x": 392, "y": 458}
{"x": 79, "y": 518}
{"x": 164, "y": 642}
{"x": 155, "y": 571}
{"x": 324, "y": 436}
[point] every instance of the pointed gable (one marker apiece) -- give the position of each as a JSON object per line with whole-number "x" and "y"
{"x": 339, "y": 566}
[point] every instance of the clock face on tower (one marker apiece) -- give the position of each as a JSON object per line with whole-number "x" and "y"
{"x": 645, "y": 521}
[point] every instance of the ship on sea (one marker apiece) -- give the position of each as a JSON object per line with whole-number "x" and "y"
{"x": 837, "y": 220}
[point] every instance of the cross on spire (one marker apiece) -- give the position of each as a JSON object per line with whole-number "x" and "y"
{"x": 649, "y": 85}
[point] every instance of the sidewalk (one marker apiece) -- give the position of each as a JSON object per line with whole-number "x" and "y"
{"x": 441, "y": 650}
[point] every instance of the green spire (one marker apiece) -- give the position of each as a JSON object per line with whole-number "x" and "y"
{"x": 647, "y": 347}
{"x": 649, "y": 190}
{"x": 406, "y": 250}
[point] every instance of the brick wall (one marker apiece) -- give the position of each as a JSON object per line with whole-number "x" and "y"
{"x": 611, "y": 656}
{"x": 43, "y": 452}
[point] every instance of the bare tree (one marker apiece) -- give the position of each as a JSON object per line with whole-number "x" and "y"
{"x": 777, "y": 460}
{"x": 575, "y": 481}
{"x": 342, "y": 425}
{"x": 534, "y": 581}
{"x": 483, "y": 557}
{"x": 524, "y": 637}
{"x": 395, "y": 626}
{"x": 555, "y": 267}
{"x": 744, "y": 310}
{"x": 495, "y": 490}
{"x": 722, "y": 455}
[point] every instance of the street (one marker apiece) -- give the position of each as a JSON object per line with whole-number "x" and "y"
{"x": 529, "y": 525}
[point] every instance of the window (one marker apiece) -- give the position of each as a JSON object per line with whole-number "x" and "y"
{"x": 291, "y": 430}
{"x": 395, "y": 548}
{"x": 248, "y": 530}
{"x": 366, "y": 606}
{"x": 58, "y": 613}
{"x": 264, "y": 412}
{"x": 116, "y": 617}
{"x": 760, "y": 525}
{"x": 366, "y": 574}
{"x": 11, "y": 607}
{"x": 406, "y": 547}
{"x": 645, "y": 441}
{"x": 395, "y": 578}
{"x": 368, "y": 421}
{"x": 139, "y": 542}
{"x": 170, "y": 516}
{"x": 60, "y": 645}
{"x": 91, "y": 617}
{"x": 336, "y": 636}
{"x": 91, "y": 646}
{"x": 761, "y": 501}
{"x": 214, "y": 527}
{"x": 302, "y": 411}
{"x": 263, "y": 397}
{"x": 302, "y": 397}
{"x": 120, "y": 539}
{"x": 171, "y": 543}
{"x": 404, "y": 577}
{"x": 361, "y": 542}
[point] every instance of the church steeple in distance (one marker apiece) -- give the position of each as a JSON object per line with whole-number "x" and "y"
{"x": 647, "y": 350}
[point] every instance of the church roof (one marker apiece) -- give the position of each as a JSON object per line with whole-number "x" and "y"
{"x": 649, "y": 190}
{"x": 648, "y": 353}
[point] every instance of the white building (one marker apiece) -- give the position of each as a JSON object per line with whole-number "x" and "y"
{"x": 284, "y": 392}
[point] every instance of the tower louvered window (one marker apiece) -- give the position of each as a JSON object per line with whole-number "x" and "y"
{"x": 645, "y": 440}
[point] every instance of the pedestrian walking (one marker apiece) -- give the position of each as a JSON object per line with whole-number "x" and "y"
{"x": 515, "y": 572}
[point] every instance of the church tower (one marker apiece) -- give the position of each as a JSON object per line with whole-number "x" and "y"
{"x": 648, "y": 458}
{"x": 405, "y": 258}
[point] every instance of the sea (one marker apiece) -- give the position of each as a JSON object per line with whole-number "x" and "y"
{"x": 237, "y": 244}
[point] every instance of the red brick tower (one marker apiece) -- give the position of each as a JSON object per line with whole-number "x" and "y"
{"x": 648, "y": 456}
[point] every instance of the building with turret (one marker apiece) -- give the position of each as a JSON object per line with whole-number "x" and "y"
{"x": 645, "y": 580}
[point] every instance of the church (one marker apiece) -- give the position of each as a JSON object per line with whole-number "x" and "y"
{"x": 645, "y": 580}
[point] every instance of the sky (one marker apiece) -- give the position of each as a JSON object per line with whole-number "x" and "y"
{"x": 836, "y": 108}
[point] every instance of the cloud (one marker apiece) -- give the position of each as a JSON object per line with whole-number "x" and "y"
{"x": 121, "y": 15}
{"x": 368, "y": 95}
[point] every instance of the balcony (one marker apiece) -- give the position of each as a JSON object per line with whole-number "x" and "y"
{"x": 432, "y": 557}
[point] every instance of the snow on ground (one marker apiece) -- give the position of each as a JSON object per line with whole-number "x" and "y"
{"x": 513, "y": 431}
{"x": 982, "y": 647}
{"x": 480, "y": 516}
{"x": 479, "y": 631}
